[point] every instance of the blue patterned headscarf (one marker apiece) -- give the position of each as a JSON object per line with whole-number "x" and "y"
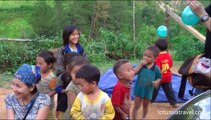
{"x": 29, "y": 74}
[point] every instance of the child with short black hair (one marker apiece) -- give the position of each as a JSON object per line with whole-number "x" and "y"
{"x": 121, "y": 91}
{"x": 149, "y": 77}
{"x": 45, "y": 60}
{"x": 164, "y": 62}
{"x": 91, "y": 103}
{"x": 72, "y": 89}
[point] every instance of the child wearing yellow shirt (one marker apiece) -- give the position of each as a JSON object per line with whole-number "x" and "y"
{"x": 91, "y": 103}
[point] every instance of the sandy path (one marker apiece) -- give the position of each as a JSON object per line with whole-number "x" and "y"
{"x": 3, "y": 92}
{"x": 156, "y": 110}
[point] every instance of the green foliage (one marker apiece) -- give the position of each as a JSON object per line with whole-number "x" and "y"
{"x": 116, "y": 45}
{"x": 41, "y": 19}
{"x": 12, "y": 55}
{"x": 185, "y": 47}
{"x": 80, "y": 13}
{"x": 106, "y": 28}
{"x": 94, "y": 49}
{"x": 44, "y": 44}
{"x": 14, "y": 22}
{"x": 5, "y": 78}
{"x": 60, "y": 18}
{"x": 146, "y": 36}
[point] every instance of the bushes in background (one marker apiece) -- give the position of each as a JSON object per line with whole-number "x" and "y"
{"x": 13, "y": 54}
{"x": 110, "y": 46}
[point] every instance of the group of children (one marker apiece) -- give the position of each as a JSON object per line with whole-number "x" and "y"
{"x": 78, "y": 93}
{"x": 76, "y": 81}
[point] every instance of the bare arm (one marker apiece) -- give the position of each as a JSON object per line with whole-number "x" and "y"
{"x": 156, "y": 83}
{"x": 43, "y": 113}
{"x": 70, "y": 97}
{"x": 119, "y": 110}
{"x": 140, "y": 65}
{"x": 52, "y": 93}
{"x": 10, "y": 114}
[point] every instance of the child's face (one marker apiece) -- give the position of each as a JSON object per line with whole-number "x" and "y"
{"x": 44, "y": 67}
{"x": 74, "y": 37}
{"x": 73, "y": 72}
{"x": 126, "y": 72}
{"x": 149, "y": 56}
{"x": 85, "y": 86}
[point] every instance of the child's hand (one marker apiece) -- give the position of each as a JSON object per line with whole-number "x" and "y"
{"x": 124, "y": 117}
{"x": 156, "y": 84}
{"x": 143, "y": 62}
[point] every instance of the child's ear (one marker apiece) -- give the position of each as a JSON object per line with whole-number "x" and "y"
{"x": 119, "y": 75}
{"x": 94, "y": 83}
{"x": 50, "y": 65}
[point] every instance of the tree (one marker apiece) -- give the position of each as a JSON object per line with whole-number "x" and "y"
{"x": 80, "y": 14}
{"x": 120, "y": 16}
{"x": 134, "y": 25}
{"x": 100, "y": 15}
{"x": 60, "y": 18}
{"x": 41, "y": 19}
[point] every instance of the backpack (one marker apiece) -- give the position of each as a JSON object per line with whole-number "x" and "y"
{"x": 197, "y": 80}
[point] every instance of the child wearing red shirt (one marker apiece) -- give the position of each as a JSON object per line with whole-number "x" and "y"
{"x": 164, "y": 61}
{"x": 121, "y": 92}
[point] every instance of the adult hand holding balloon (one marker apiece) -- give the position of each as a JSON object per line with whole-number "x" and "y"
{"x": 162, "y": 31}
{"x": 189, "y": 17}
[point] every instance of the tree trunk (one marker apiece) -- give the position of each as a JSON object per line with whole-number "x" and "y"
{"x": 134, "y": 27}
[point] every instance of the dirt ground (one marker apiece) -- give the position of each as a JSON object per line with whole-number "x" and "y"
{"x": 156, "y": 110}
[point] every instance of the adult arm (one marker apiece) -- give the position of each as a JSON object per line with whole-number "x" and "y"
{"x": 10, "y": 115}
{"x": 44, "y": 102}
{"x": 198, "y": 8}
{"x": 43, "y": 113}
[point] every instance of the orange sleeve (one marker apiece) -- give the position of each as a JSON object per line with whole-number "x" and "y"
{"x": 52, "y": 83}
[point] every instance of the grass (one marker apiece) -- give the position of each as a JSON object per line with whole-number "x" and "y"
{"x": 177, "y": 63}
{"x": 15, "y": 4}
{"x": 14, "y": 22}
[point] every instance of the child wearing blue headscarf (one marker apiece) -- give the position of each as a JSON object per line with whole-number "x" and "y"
{"x": 26, "y": 102}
